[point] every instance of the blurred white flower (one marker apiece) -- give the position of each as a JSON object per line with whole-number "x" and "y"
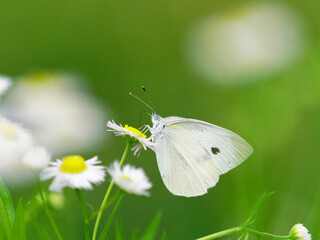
{"x": 245, "y": 43}
{"x": 61, "y": 117}
{"x": 14, "y": 142}
{"x": 5, "y": 84}
{"x": 299, "y": 232}
{"x": 74, "y": 172}
{"x": 36, "y": 158}
{"x": 19, "y": 157}
{"x": 141, "y": 140}
{"x": 130, "y": 179}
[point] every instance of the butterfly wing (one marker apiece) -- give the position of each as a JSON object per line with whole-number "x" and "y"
{"x": 186, "y": 167}
{"x": 226, "y": 148}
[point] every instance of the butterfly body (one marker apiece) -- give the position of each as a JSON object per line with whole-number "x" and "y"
{"x": 192, "y": 154}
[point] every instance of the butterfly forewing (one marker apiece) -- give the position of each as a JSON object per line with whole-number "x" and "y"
{"x": 227, "y": 149}
{"x": 186, "y": 167}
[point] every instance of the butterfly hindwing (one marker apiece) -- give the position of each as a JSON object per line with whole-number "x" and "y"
{"x": 185, "y": 165}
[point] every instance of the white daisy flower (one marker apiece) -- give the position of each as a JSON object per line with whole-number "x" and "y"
{"x": 299, "y": 232}
{"x": 5, "y": 84}
{"x": 74, "y": 172}
{"x": 36, "y": 158}
{"x": 130, "y": 179}
{"x": 19, "y": 156}
{"x": 141, "y": 139}
{"x": 14, "y": 142}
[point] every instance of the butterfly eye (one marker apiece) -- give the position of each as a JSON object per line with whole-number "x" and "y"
{"x": 215, "y": 150}
{"x": 155, "y": 117}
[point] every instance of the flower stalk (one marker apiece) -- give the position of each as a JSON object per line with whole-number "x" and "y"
{"x": 114, "y": 211}
{"x": 47, "y": 211}
{"x": 267, "y": 235}
{"x": 105, "y": 199}
{"x": 245, "y": 234}
{"x": 84, "y": 213}
{"x": 222, "y": 233}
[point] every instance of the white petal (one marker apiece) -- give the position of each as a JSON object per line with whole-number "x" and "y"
{"x": 130, "y": 179}
{"x": 93, "y": 174}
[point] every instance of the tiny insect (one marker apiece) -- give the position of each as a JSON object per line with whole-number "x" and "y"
{"x": 192, "y": 154}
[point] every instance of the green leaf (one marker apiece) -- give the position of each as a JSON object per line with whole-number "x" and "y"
{"x": 18, "y": 228}
{"x": 6, "y": 209}
{"x": 252, "y": 215}
{"x": 135, "y": 235}
{"x": 5, "y": 223}
{"x": 2, "y": 233}
{"x": 109, "y": 221}
{"x": 42, "y": 232}
{"x": 163, "y": 235}
{"x": 119, "y": 232}
{"x": 151, "y": 230}
{"x": 5, "y": 196}
{"x": 110, "y": 202}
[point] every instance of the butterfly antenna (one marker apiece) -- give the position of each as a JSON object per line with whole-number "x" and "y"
{"x": 145, "y": 91}
{"x": 141, "y": 101}
{"x": 144, "y": 111}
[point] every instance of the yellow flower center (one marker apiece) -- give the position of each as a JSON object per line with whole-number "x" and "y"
{"x": 8, "y": 131}
{"x": 73, "y": 164}
{"x": 126, "y": 178}
{"x": 39, "y": 77}
{"x": 134, "y": 130}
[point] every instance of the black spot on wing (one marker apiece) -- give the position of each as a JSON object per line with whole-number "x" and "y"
{"x": 215, "y": 150}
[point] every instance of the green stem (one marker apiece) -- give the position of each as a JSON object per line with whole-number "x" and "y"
{"x": 246, "y": 237}
{"x": 46, "y": 209}
{"x": 107, "y": 226}
{"x": 84, "y": 213}
{"x": 222, "y": 233}
{"x": 267, "y": 235}
{"x": 96, "y": 226}
{"x": 243, "y": 236}
{"x": 111, "y": 201}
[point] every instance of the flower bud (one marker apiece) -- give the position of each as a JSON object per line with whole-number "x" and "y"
{"x": 299, "y": 232}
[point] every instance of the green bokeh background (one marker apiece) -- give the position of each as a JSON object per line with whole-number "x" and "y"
{"x": 119, "y": 46}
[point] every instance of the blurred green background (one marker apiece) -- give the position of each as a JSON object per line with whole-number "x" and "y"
{"x": 120, "y": 46}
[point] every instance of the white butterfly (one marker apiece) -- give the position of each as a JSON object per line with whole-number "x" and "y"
{"x": 191, "y": 154}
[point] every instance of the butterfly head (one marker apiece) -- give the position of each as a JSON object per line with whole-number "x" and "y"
{"x": 157, "y": 124}
{"x": 155, "y": 118}
{"x": 157, "y": 121}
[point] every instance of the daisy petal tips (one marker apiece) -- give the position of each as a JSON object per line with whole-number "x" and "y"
{"x": 36, "y": 158}
{"x": 140, "y": 139}
{"x": 74, "y": 172}
{"x": 130, "y": 179}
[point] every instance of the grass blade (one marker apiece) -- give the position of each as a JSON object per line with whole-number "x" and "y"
{"x": 18, "y": 228}
{"x": 42, "y": 232}
{"x": 5, "y": 196}
{"x": 107, "y": 226}
{"x": 135, "y": 235}
{"x": 252, "y": 215}
{"x": 119, "y": 232}
{"x": 6, "y": 210}
{"x": 5, "y": 222}
{"x": 151, "y": 231}
{"x": 163, "y": 236}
